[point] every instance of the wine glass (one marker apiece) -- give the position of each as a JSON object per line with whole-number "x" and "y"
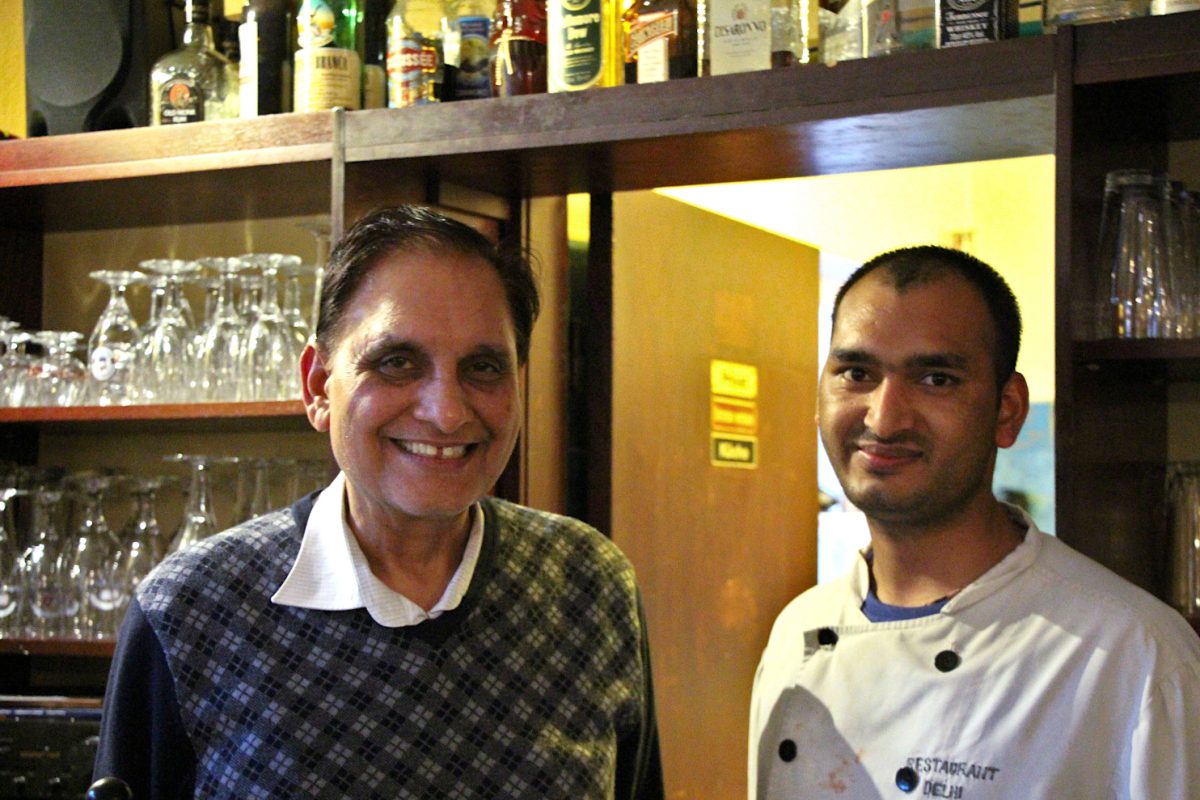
{"x": 223, "y": 337}
{"x": 15, "y": 379}
{"x": 11, "y": 594}
{"x": 271, "y": 355}
{"x": 253, "y": 488}
{"x": 199, "y": 520}
{"x": 292, "y": 306}
{"x": 167, "y": 367}
{"x": 142, "y": 540}
{"x": 45, "y": 569}
{"x": 59, "y": 378}
{"x": 112, "y": 346}
{"x": 95, "y": 563}
{"x": 321, "y": 235}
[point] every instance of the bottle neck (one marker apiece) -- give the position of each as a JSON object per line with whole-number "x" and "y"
{"x": 197, "y": 32}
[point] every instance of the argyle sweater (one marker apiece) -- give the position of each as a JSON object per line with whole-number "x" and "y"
{"x": 536, "y": 686}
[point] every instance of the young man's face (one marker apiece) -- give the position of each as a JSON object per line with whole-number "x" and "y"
{"x": 907, "y": 404}
{"x": 421, "y": 392}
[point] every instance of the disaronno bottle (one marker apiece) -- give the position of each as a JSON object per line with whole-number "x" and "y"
{"x": 585, "y": 44}
{"x": 747, "y": 35}
{"x": 328, "y": 73}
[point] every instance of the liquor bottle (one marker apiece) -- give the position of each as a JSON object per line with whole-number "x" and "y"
{"x": 413, "y": 61}
{"x": 746, "y": 35}
{"x": 660, "y": 41}
{"x": 195, "y": 82}
{"x": 519, "y": 48}
{"x": 585, "y": 44}
{"x": 328, "y": 73}
{"x": 467, "y": 48}
{"x": 266, "y": 64}
{"x": 373, "y": 49}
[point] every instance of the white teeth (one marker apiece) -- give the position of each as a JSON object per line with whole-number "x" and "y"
{"x": 431, "y": 451}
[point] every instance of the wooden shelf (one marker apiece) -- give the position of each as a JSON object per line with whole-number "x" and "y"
{"x": 56, "y": 647}
{"x": 910, "y": 109}
{"x": 1123, "y": 359}
{"x": 1134, "y": 49}
{"x": 281, "y": 415}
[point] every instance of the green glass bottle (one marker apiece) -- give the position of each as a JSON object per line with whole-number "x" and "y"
{"x": 328, "y": 70}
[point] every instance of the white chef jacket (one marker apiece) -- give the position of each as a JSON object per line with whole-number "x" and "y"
{"x": 1048, "y": 677}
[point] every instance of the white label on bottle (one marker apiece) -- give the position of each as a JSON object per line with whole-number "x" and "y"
{"x": 248, "y": 69}
{"x": 741, "y": 35}
{"x": 653, "y": 65}
{"x": 327, "y": 77}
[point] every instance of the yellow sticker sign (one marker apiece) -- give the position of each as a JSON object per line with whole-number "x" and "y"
{"x": 732, "y": 379}
{"x": 733, "y": 416}
{"x": 731, "y": 450}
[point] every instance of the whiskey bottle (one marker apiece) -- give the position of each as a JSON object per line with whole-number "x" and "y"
{"x": 328, "y": 72}
{"x": 519, "y": 48}
{"x": 195, "y": 82}
{"x": 266, "y": 65}
{"x": 660, "y": 41}
{"x": 585, "y": 44}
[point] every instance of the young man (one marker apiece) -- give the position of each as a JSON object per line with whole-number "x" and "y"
{"x": 399, "y": 634}
{"x": 968, "y": 654}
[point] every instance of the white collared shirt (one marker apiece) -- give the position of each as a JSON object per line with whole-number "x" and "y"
{"x": 331, "y": 572}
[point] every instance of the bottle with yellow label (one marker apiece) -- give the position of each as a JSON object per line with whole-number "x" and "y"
{"x": 585, "y": 44}
{"x": 328, "y": 71}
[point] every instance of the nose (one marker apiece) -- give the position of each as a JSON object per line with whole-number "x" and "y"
{"x": 442, "y": 403}
{"x": 889, "y": 409}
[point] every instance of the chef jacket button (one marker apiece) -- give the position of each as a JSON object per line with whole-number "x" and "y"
{"x": 787, "y": 750}
{"x": 826, "y": 636}
{"x": 947, "y": 661}
{"x": 907, "y": 779}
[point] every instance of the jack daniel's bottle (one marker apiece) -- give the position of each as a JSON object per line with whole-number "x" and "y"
{"x": 195, "y": 82}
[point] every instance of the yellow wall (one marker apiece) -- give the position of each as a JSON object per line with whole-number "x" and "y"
{"x": 12, "y": 68}
{"x": 1001, "y": 211}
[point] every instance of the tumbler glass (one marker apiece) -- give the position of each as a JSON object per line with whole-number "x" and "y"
{"x": 1184, "y": 561}
{"x": 1133, "y": 257}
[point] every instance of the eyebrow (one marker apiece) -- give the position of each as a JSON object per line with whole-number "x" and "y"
{"x": 924, "y": 361}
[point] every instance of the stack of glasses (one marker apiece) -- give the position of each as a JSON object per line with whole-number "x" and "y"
{"x": 1149, "y": 258}
{"x": 245, "y": 348}
{"x": 67, "y": 573}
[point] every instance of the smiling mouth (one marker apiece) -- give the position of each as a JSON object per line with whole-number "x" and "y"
{"x": 433, "y": 451}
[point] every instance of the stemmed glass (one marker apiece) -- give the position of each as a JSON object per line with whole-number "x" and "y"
{"x": 142, "y": 541}
{"x": 199, "y": 521}
{"x": 167, "y": 370}
{"x": 95, "y": 567}
{"x": 112, "y": 346}
{"x": 224, "y": 337}
{"x": 60, "y": 379}
{"x": 320, "y": 232}
{"x": 44, "y": 570}
{"x": 253, "y": 488}
{"x": 292, "y": 300}
{"x": 11, "y": 593}
{"x": 271, "y": 355}
{"x": 15, "y": 379}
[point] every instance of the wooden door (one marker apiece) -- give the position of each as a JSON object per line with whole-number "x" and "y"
{"x": 719, "y": 550}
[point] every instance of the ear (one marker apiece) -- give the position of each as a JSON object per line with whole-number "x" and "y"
{"x": 1014, "y": 407}
{"x": 314, "y": 375}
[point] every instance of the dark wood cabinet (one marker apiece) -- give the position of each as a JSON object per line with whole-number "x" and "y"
{"x": 1099, "y": 97}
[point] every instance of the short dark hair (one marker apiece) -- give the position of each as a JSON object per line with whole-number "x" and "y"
{"x": 925, "y": 263}
{"x": 410, "y": 228}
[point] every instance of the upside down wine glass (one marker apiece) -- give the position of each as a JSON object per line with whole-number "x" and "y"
{"x": 112, "y": 346}
{"x": 271, "y": 356}
{"x": 167, "y": 369}
{"x": 223, "y": 337}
